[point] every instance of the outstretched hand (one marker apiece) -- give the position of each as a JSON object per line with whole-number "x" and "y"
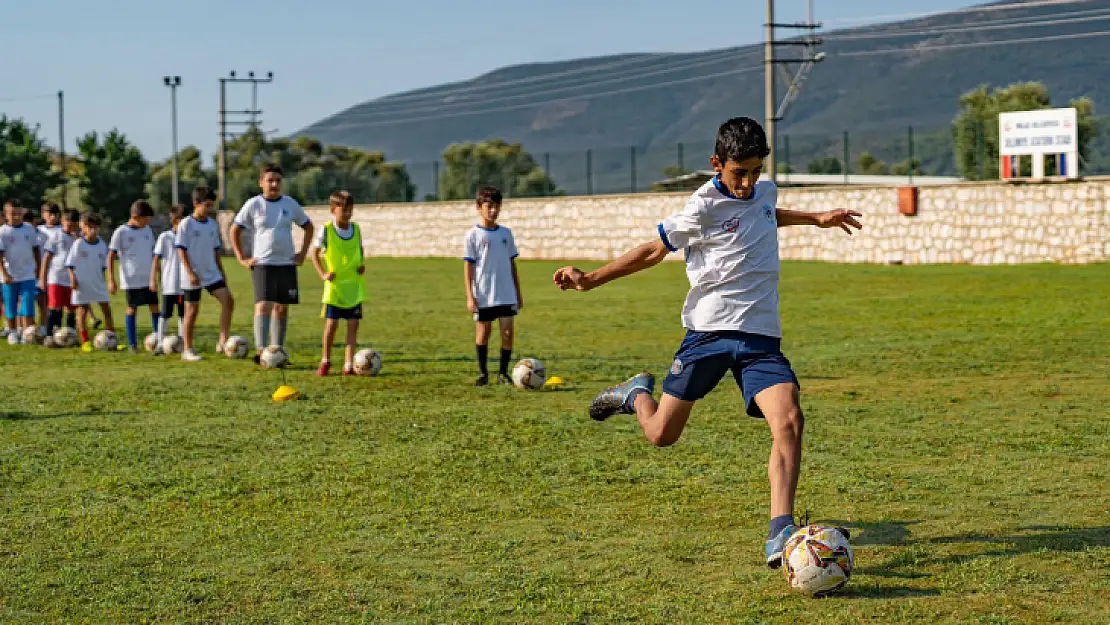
{"x": 841, "y": 218}
{"x": 568, "y": 278}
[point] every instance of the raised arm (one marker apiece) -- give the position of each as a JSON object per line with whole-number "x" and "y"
{"x": 643, "y": 257}
{"x": 840, "y": 218}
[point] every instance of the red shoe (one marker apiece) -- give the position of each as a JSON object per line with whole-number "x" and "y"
{"x": 348, "y": 370}
{"x": 323, "y": 370}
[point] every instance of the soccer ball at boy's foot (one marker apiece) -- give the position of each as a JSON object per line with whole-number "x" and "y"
{"x": 367, "y": 362}
{"x": 236, "y": 347}
{"x": 65, "y": 337}
{"x": 817, "y": 560}
{"x": 150, "y": 343}
{"x": 31, "y": 336}
{"x": 529, "y": 374}
{"x": 106, "y": 341}
{"x": 273, "y": 357}
{"x": 15, "y": 337}
{"x": 172, "y": 344}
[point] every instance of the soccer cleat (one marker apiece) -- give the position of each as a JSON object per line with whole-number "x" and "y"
{"x": 614, "y": 400}
{"x": 483, "y": 380}
{"x": 130, "y": 348}
{"x": 504, "y": 379}
{"x": 4, "y": 333}
{"x": 87, "y": 347}
{"x": 773, "y": 548}
{"x": 191, "y": 355}
{"x": 158, "y": 350}
{"x": 323, "y": 369}
{"x": 348, "y": 370}
{"x": 257, "y": 358}
{"x": 96, "y": 324}
{"x": 219, "y": 347}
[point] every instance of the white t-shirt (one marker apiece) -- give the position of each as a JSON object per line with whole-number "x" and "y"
{"x": 46, "y": 232}
{"x": 135, "y": 247}
{"x": 88, "y": 261}
{"x": 201, "y": 241}
{"x": 171, "y": 263}
{"x": 320, "y": 239}
{"x": 18, "y": 245}
{"x": 57, "y": 245}
{"x": 270, "y": 223}
{"x": 732, "y": 259}
{"x": 492, "y": 252}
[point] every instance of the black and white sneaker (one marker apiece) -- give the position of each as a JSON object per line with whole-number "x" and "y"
{"x": 614, "y": 400}
{"x": 483, "y": 380}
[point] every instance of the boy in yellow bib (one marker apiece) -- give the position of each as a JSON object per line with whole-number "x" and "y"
{"x": 338, "y": 259}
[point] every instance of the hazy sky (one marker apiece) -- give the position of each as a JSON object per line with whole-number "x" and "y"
{"x": 109, "y": 56}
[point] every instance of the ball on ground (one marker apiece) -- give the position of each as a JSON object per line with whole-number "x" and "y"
{"x": 529, "y": 374}
{"x": 31, "y": 336}
{"x": 150, "y": 343}
{"x": 106, "y": 341}
{"x": 817, "y": 561}
{"x": 172, "y": 344}
{"x": 65, "y": 337}
{"x": 273, "y": 357}
{"x": 367, "y": 362}
{"x": 236, "y": 347}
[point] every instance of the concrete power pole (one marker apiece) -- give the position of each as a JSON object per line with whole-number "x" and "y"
{"x": 773, "y": 112}
{"x": 769, "y": 89}
{"x": 252, "y": 122}
{"x": 62, "y": 145}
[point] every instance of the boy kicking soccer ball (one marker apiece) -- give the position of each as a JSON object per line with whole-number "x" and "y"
{"x": 133, "y": 245}
{"x": 198, "y": 246}
{"x": 339, "y": 261}
{"x": 87, "y": 261}
{"x": 492, "y": 286}
{"x": 728, "y": 232}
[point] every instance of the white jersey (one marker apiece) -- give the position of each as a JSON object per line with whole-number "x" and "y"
{"x": 201, "y": 242}
{"x": 492, "y": 251}
{"x": 732, "y": 259}
{"x": 18, "y": 245}
{"x": 171, "y": 263}
{"x": 57, "y": 245}
{"x": 135, "y": 247}
{"x": 88, "y": 261}
{"x": 270, "y": 224}
{"x": 46, "y": 232}
{"x": 320, "y": 239}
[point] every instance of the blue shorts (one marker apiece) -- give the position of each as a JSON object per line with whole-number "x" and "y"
{"x": 703, "y": 359}
{"x": 19, "y": 299}
{"x": 335, "y": 312}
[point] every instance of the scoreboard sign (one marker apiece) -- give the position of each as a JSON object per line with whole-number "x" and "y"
{"x": 1047, "y": 132}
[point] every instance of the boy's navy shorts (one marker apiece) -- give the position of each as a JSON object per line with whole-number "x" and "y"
{"x": 335, "y": 312}
{"x": 755, "y": 360}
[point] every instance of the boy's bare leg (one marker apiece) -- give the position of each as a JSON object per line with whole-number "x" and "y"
{"x": 352, "y": 342}
{"x": 783, "y": 413}
{"x": 330, "y": 328}
{"x": 191, "y": 311}
{"x": 227, "y": 307}
{"x": 106, "y": 312}
{"x": 662, "y": 422}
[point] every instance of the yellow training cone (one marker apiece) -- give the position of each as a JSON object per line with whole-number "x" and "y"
{"x": 285, "y": 393}
{"x": 554, "y": 382}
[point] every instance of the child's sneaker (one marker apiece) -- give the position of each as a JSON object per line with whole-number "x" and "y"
{"x": 504, "y": 379}
{"x": 4, "y": 333}
{"x": 191, "y": 355}
{"x": 483, "y": 380}
{"x": 773, "y": 548}
{"x": 120, "y": 348}
{"x": 96, "y": 324}
{"x": 158, "y": 350}
{"x": 219, "y": 347}
{"x": 348, "y": 369}
{"x": 614, "y": 400}
{"x": 323, "y": 368}
{"x": 87, "y": 347}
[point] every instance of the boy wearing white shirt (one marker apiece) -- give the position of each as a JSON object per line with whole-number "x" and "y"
{"x": 20, "y": 256}
{"x": 198, "y": 247}
{"x": 492, "y": 286}
{"x": 167, "y": 266}
{"x": 51, "y": 224}
{"x": 87, "y": 261}
{"x": 133, "y": 244}
{"x": 728, "y": 231}
{"x": 54, "y": 277}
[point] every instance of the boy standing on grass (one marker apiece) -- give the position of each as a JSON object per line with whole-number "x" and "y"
{"x": 54, "y": 277}
{"x": 51, "y": 223}
{"x": 133, "y": 244}
{"x": 492, "y": 286}
{"x": 339, "y": 261}
{"x": 20, "y": 256}
{"x": 728, "y": 231}
{"x": 198, "y": 247}
{"x": 167, "y": 267}
{"x": 87, "y": 261}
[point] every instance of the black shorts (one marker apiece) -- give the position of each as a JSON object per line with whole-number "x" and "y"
{"x": 335, "y": 312}
{"x": 276, "y": 284}
{"x": 193, "y": 295}
{"x": 141, "y": 297}
{"x": 485, "y": 315}
{"x": 169, "y": 302}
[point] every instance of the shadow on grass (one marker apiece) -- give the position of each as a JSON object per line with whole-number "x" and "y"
{"x": 869, "y": 590}
{"x": 878, "y": 533}
{"x": 1032, "y": 539}
{"x": 27, "y": 416}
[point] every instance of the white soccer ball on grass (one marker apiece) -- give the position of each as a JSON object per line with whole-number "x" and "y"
{"x": 236, "y": 347}
{"x": 65, "y": 337}
{"x": 817, "y": 561}
{"x": 172, "y": 344}
{"x": 367, "y": 362}
{"x": 31, "y": 336}
{"x": 529, "y": 374}
{"x": 106, "y": 341}
{"x": 273, "y": 357}
{"x": 150, "y": 343}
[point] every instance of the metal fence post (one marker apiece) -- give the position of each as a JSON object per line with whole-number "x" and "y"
{"x": 435, "y": 179}
{"x": 847, "y": 158}
{"x": 786, "y": 155}
{"x": 547, "y": 173}
{"x": 910, "y": 161}
{"x": 632, "y": 160}
{"x": 681, "y": 159}
{"x": 589, "y": 171}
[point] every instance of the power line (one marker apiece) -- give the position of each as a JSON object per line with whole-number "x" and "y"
{"x": 976, "y": 44}
{"x": 974, "y": 9}
{"x": 1001, "y": 24}
{"x": 29, "y": 98}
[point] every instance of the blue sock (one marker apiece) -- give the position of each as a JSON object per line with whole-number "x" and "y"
{"x": 630, "y": 403}
{"x": 131, "y": 331}
{"x": 779, "y": 523}
{"x": 154, "y": 321}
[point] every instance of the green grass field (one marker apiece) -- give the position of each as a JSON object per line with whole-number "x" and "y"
{"x": 957, "y": 420}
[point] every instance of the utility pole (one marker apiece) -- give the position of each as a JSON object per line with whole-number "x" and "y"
{"x": 774, "y": 113}
{"x": 62, "y": 144}
{"x": 252, "y": 121}
{"x": 173, "y": 82}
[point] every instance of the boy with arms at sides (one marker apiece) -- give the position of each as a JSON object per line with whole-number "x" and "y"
{"x": 167, "y": 266}
{"x": 492, "y": 286}
{"x": 338, "y": 259}
{"x": 51, "y": 223}
{"x": 87, "y": 261}
{"x": 728, "y": 231}
{"x": 273, "y": 262}
{"x": 54, "y": 276}
{"x": 133, "y": 244}
{"x": 20, "y": 257}
{"x": 198, "y": 248}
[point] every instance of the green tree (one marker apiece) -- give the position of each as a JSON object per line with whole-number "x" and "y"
{"x": 975, "y": 129}
{"x": 190, "y": 174}
{"x": 508, "y": 167}
{"x": 903, "y": 168}
{"x": 871, "y": 166}
{"x": 825, "y": 165}
{"x": 27, "y": 169}
{"x": 114, "y": 174}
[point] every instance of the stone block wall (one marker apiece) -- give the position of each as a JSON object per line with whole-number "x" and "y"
{"x": 977, "y": 223}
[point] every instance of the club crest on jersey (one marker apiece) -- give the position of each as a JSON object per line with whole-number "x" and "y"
{"x": 769, "y": 212}
{"x": 676, "y": 367}
{"x": 732, "y": 225}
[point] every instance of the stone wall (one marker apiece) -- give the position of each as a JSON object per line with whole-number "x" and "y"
{"x": 979, "y": 223}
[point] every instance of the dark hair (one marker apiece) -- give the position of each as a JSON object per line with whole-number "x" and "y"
{"x": 341, "y": 199}
{"x": 50, "y": 208}
{"x": 72, "y": 215}
{"x": 488, "y": 194}
{"x": 177, "y": 211}
{"x": 203, "y": 194}
{"x": 739, "y": 139}
{"x": 142, "y": 208}
{"x": 91, "y": 219}
{"x": 14, "y": 203}
{"x": 29, "y": 215}
{"x": 271, "y": 168}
